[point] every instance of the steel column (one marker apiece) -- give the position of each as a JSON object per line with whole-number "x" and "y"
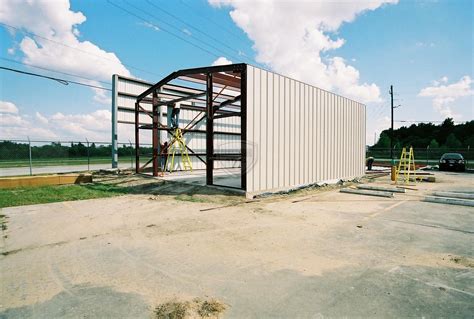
{"x": 155, "y": 134}
{"x": 137, "y": 138}
{"x": 243, "y": 129}
{"x": 114, "y": 122}
{"x": 209, "y": 131}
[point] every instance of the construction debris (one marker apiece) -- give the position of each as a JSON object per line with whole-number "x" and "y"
{"x": 382, "y": 188}
{"x": 450, "y": 201}
{"x": 367, "y": 192}
{"x": 455, "y": 195}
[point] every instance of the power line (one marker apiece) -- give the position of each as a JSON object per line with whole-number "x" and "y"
{"x": 191, "y": 26}
{"x": 62, "y": 81}
{"x": 51, "y": 70}
{"x": 179, "y": 30}
{"x": 194, "y": 11}
{"x": 75, "y": 48}
{"x": 167, "y": 31}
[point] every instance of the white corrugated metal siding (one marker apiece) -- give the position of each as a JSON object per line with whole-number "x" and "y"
{"x": 300, "y": 134}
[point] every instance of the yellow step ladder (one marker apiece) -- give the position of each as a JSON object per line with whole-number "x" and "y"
{"x": 406, "y": 166}
{"x": 178, "y": 145}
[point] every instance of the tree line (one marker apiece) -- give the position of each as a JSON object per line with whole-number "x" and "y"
{"x": 447, "y": 136}
{"x": 12, "y": 150}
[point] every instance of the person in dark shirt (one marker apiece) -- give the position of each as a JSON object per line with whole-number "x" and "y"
{"x": 370, "y": 162}
{"x": 163, "y": 157}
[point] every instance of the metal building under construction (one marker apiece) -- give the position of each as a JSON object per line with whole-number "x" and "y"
{"x": 267, "y": 131}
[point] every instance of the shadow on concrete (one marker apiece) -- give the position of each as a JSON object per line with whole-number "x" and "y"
{"x": 84, "y": 302}
{"x": 153, "y": 186}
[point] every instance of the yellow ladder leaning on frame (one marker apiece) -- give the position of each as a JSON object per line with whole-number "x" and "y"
{"x": 407, "y": 164}
{"x": 178, "y": 144}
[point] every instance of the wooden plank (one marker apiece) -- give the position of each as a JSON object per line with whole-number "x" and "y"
{"x": 33, "y": 181}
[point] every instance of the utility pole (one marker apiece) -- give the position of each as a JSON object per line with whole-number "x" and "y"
{"x": 391, "y": 125}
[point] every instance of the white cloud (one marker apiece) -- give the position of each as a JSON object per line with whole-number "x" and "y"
{"x": 102, "y": 96}
{"x": 444, "y": 79}
{"x": 221, "y": 61}
{"x": 295, "y": 37}
{"x": 444, "y": 95}
{"x": 94, "y": 126}
{"x": 16, "y": 126}
{"x": 42, "y": 119}
{"x": 8, "y": 107}
{"x": 11, "y": 120}
{"x": 56, "y": 21}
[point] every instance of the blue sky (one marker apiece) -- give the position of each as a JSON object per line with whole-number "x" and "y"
{"x": 423, "y": 48}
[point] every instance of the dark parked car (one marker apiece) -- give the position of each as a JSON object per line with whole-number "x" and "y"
{"x": 452, "y": 162}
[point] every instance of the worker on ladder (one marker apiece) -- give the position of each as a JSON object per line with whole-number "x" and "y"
{"x": 177, "y": 143}
{"x": 173, "y": 114}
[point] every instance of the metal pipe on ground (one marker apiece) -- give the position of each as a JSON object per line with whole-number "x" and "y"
{"x": 449, "y": 201}
{"x": 454, "y": 195}
{"x": 382, "y": 188}
{"x": 367, "y": 192}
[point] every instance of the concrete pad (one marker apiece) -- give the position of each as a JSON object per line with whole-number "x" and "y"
{"x": 224, "y": 177}
{"x": 332, "y": 255}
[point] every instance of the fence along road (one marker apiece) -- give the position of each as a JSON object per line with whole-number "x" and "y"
{"x": 25, "y": 157}
{"x": 32, "y": 157}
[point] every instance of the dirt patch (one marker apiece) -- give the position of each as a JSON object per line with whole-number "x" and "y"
{"x": 197, "y": 308}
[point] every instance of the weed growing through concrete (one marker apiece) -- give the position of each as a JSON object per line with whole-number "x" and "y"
{"x": 211, "y": 308}
{"x": 197, "y": 308}
{"x": 171, "y": 310}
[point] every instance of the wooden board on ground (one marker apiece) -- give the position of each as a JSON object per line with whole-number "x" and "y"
{"x": 32, "y": 181}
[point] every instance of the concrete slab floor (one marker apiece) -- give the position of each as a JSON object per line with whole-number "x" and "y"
{"x": 229, "y": 177}
{"x": 309, "y": 255}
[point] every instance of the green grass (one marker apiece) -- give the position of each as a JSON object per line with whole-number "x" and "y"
{"x": 49, "y": 194}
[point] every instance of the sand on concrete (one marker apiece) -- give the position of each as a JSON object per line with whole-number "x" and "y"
{"x": 313, "y": 253}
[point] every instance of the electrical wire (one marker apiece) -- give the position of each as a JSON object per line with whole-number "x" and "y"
{"x": 191, "y": 26}
{"x": 51, "y": 70}
{"x": 75, "y": 48}
{"x": 163, "y": 29}
{"x": 194, "y": 11}
{"x": 179, "y": 30}
{"x": 62, "y": 81}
